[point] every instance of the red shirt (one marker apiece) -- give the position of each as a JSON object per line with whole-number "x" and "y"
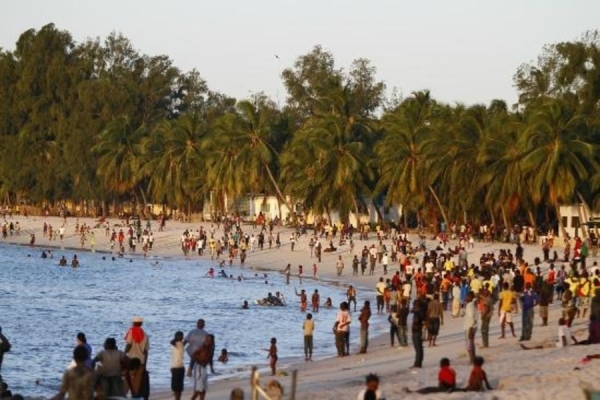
{"x": 447, "y": 377}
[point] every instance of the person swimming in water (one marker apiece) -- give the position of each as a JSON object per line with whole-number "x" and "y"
{"x": 245, "y": 306}
{"x": 62, "y": 262}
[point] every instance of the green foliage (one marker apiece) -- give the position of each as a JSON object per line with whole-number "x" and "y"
{"x": 99, "y": 121}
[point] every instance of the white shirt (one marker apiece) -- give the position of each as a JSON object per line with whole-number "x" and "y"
{"x": 406, "y": 289}
{"x": 177, "y": 355}
{"x": 429, "y": 267}
{"x": 470, "y": 315}
{"x": 384, "y": 260}
{"x": 343, "y": 317}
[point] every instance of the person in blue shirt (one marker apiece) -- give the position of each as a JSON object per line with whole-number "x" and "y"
{"x": 529, "y": 300}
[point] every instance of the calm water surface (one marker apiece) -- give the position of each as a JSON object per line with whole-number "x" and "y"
{"x": 43, "y": 306}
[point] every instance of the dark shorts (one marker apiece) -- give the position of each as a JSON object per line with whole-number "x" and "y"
{"x": 177, "y": 378}
{"x": 433, "y": 326}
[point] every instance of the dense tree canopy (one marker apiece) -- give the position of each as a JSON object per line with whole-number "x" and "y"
{"x": 98, "y": 121}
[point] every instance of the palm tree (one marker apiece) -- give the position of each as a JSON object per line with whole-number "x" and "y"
{"x": 119, "y": 154}
{"x": 242, "y": 154}
{"x": 400, "y": 154}
{"x": 556, "y": 157}
{"x": 172, "y": 164}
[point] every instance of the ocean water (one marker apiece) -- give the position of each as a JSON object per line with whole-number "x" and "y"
{"x": 43, "y": 307}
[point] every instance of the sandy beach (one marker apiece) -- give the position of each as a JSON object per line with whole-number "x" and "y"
{"x": 514, "y": 373}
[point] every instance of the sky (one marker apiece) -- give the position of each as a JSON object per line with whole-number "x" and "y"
{"x": 464, "y": 51}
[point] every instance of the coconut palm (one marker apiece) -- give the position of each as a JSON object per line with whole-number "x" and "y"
{"x": 556, "y": 158}
{"x": 119, "y": 155}
{"x": 172, "y": 163}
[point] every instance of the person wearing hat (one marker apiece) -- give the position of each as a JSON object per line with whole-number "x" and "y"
{"x": 136, "y": 348}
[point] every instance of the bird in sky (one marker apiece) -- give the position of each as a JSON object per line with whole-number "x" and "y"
{"x": 276, "y": 56}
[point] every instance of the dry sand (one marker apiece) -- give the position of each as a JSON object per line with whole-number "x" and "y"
{"x": 555, "y": 373}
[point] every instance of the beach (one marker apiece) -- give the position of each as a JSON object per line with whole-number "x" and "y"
{"x": 516, "y": 373}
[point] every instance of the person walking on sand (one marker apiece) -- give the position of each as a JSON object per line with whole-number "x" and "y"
{"x": 177, "y": 365}
{"x": 365, "y": 315}
{"x": 308, "y": 327}
{"x": 380, "y": 289}
{"x": 470, "y": 326}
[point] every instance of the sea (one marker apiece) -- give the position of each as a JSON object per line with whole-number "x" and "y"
{"x": 44, "y": 306}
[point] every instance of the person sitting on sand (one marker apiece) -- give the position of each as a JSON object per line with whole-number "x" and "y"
{"x": 478, "y": 377}
{"x": 446, "y": 380}
{"x": 371, "y": 385}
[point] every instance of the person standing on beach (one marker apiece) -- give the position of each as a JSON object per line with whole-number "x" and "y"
{"x": 339, "y": 266}
{"x": 308, "y": 327}
{"x": 137, "y": 347}
{"x": 487, "y": 309}
{"x": 193, "y": 340}
{"x": 177, "y": 365}
{"x": 287, "y": 272}
{"x": 380, "y": 289}
{"x": 202, "y": 356}
{"x": 365, "y": 315}
{"x": 470, "y": 326}
{"x": 342, "y": 327}
{"x": 529, "y": 300}
{"x": 316, "y": 300}
{"x": 505, "y": 309}
{"x": 435, "y": 318}
{"x": 78, "y": 382}
{"x": 351, "y": 295}
{"x": 111, "y": 374}
{"x": 417, "y": 333}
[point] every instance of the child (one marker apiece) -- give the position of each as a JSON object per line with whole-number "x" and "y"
{"x": 478, "y": 377}
{"x": 308, "y": 327}
{"x": 177, "y": 366}
{"x": 273, "y": 355}
{"x": 446, "y": 380}
{"x": 223, "y": 357}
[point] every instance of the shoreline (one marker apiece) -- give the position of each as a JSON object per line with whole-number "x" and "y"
{"x": 331, "y": 377}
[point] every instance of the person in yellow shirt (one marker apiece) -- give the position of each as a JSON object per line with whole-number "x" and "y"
{"x": 308, "y": 326}
{"x": 584, "y": 293}
{"x": 505, "y": 309}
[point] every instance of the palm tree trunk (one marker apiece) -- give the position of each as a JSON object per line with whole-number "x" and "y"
{"x": 532, "y": 221}
{"x": 504, "y": 218}
{"x": 563, "y": 231}
{"x": 437, "y": 200}
{"x": 277, "y": 190}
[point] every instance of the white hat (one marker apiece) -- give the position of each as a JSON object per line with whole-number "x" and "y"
{"x": 137, "y": 320}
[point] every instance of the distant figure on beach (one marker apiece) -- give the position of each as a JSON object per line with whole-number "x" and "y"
{"x": 342, "y": 329}
{"x": 287, "y": 271}
{"x": 365, "y": 315}
{"x": 31, "y": 240}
